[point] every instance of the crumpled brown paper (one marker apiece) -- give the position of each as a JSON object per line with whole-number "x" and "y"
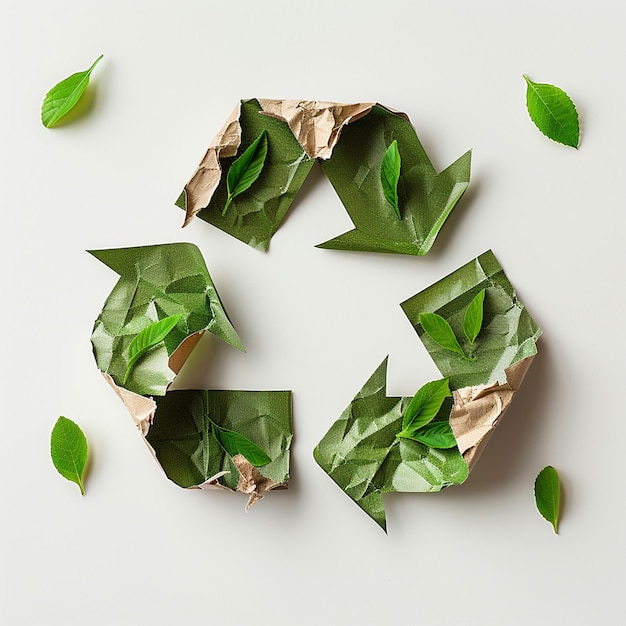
{"x": 202, "y": 184}
{"x": 316, "y": 124}
{"x": 140, "y": 408}
{"x": 252, "y": 482}
{"x": 477, "y": 410}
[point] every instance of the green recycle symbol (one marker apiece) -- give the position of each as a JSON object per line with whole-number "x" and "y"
{"x": 240, "y": 440}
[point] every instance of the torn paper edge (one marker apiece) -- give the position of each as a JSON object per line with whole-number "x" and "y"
{"x": 315, "y": 124}
{"x": 477, "y": 410}
{"x": 142, "y": 410}
{"x": 200, "y": 188}
{"x": 252, "y": 482}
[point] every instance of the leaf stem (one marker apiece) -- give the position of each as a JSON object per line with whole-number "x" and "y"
{"x": 228, "y": 201}
{"x": 95, "y": 63}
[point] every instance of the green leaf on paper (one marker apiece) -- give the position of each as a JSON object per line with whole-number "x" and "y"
{"x": 149, "y": 338}
{"x": 548, "y": 495}
{"x": 417, "y": 420}
{"x": 509, "y": 333}
{"x": 553, "y": 112}
{"x": 258, "y": 215}
{"x": 64, "y": 96}
{"x": 185, "y": 442}
{"x": 424, "y": 406}
{"x": 440, "y": 331}
{"x": 235, "y": 444}
{"x": 68, "y": 449}
{"x": 390, "y": 175}
{"x": 473, "y": 320}
{"x": 427, "y": 197}
{"x": 362, "y": 454}
{"x": 437, "y": 435}
{"x": 156, "y": 282}
{"x": 246, "y": 169}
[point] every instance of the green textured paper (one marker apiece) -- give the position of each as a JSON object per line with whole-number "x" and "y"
{"x": 425, "y": 197}
{"x": 508, "y": 333}
{"x": 155, "y": 282}
{"x": 363, "y": 456}
{"x": 255, "y": 215}
{"x": 189, "y": 453}
{"x": 172, "y": 279}
{"x": 361, "y": 452}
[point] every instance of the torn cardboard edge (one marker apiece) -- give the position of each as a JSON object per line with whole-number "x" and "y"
{"x": 315, "y": 124}
{"x": 478, "y": 410}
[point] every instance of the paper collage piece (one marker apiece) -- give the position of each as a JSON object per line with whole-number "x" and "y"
{"x": 508, "y": 335}
{"x": 256, "y": 214}
{"x": 350, "y": 141}
{"x": 362, "y": 453}
{"x": 425, "y": 198}
{"x": 162, "y": 304}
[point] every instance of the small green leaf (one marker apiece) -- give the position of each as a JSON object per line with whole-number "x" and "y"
{"x": 424, "y": 405}
{"x": 548, "y": 495}
{"x": 148, "y": 338}
{"x": 235, "y": 444}
{"x": 436, "y": 435}
{"x": 438, "y": 329}
{"x": 390, "y": 175}
{"x": 473, "y": 321}
{"x": 553, "y": 112}
{"x": 62, "y": 98}
{"x": 68, "y": 449}
{"x": 246, "y": 169}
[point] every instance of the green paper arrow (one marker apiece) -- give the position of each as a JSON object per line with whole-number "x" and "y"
{"x": 426, "y": 198}
{"x": 364, "y": 451}
{"x": 156, "y": 282}
{"x": 362, "y": 454}
{"x": 400, "y": 213}
{"x": 508, "y": 332}
{"x": 164, "y": 296}
{"x": 186, "y": 446}
{"x": 254, "y": 216}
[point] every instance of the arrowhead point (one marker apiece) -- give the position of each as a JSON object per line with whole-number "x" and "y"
{"x": 123, "y": 261}
{"x": 448, "y": 187}
{"x": 360, "y": 241}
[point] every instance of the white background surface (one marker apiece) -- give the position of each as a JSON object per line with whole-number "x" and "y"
{"x": 139, "y": 550}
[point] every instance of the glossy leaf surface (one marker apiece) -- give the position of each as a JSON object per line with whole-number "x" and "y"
{"x": 437, "y": 435}
{"x": 246, "y": 169}
{"x": 473, "y": 320}
{"x": 68, "y": 449}
{"x": 425, "y": 405}
{"x": 440, "y": 331}
{"x": 390, "y": 175}
{"x": 148, "y": 338}
{"x": 548, "y": 495}
{"x": 235, "y": 444}
{"x": 553, "y": 112}
{"x": 64, "y": 96}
